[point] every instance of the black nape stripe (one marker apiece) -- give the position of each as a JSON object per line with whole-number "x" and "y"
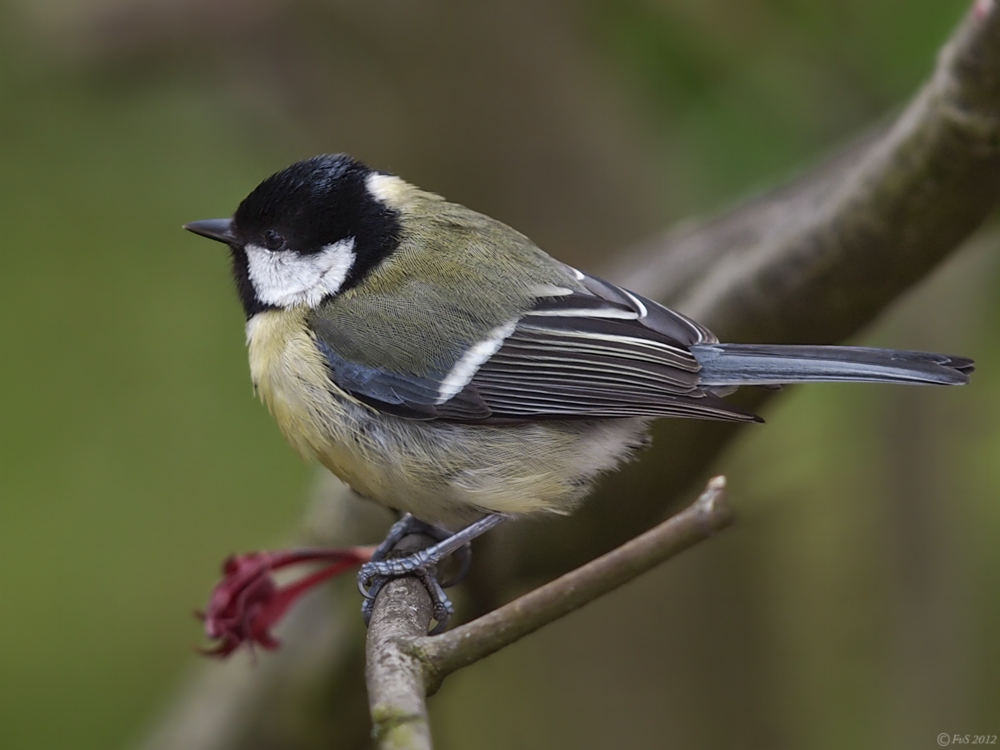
{"x": 377, "y": 232}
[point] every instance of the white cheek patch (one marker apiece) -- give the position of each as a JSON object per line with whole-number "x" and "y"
{"x": 286, "y": 278}
{"x": 466, "y": 367}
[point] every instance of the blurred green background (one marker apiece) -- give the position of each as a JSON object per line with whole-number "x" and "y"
{"x": 856, "y": 604}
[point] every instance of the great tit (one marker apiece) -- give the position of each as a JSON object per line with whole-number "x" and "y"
{"x": 441, "y": 364}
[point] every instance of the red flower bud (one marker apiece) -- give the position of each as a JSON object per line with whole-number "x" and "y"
{"x": 247, "y": 602}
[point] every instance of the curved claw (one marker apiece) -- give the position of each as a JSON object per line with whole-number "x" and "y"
{"x": 368, "y": 605}
{"x": 443, "y": 609}
{"x": 367, "y": 580}
{"x": 463, "y": 556}
{"x": 378, "y": 571}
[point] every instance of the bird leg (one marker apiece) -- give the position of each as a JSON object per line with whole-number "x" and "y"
{"x": 375, "y": 574}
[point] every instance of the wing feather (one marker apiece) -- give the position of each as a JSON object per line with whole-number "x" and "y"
{"x": 596, "y": 351}
{"x": 606, "y": 353}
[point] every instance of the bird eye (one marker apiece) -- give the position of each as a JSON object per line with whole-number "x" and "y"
{"x": 273, "y": 240}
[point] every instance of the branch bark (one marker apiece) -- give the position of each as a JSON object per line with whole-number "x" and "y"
{"x": 394, "y": 675}
{"x": 475, "y": 640}
{"x": 405, "y": 665}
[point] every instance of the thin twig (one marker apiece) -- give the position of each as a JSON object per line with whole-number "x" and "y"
{"x": 397, "y": 695}
{"x": 405, "y": 665}
{"x": 396, "y": 690}
{"x": 475, "y": 640}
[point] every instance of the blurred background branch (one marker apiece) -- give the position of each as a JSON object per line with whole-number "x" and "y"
{"x": 814, "y": 261}
{"x": 853, "y": 606}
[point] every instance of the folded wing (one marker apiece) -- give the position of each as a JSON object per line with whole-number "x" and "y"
{"x": 602, "y": 352}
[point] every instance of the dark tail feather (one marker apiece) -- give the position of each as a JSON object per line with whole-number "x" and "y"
{"x": 766, "y": 364}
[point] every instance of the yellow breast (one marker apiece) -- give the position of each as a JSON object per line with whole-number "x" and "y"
{"x": 289, "y": 375}
{"x": 319, "y": 420}
{"x": 438, "y": 471}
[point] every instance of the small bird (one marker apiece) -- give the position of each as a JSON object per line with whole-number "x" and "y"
{"x": 441, "y": 364}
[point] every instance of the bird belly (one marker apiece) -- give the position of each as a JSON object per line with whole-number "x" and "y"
{"x": 453, "y": 473}
{"x": 444, "y": 472}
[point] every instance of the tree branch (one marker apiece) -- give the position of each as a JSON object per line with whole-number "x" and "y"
{"x": 870, "y": 222}
{"x": 405, "y": 665}
{"x": 395, "y": 676}
{"x": 488, "y": 634}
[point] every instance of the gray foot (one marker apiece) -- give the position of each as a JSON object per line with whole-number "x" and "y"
{"x": 375, "y": 574}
